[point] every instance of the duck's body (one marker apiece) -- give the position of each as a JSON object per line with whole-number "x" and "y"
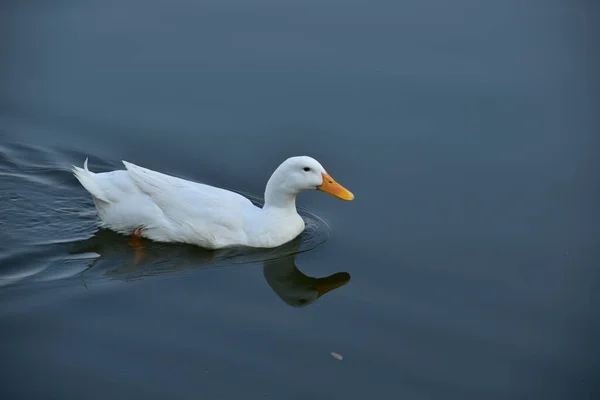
{"x": 164, "y": 208}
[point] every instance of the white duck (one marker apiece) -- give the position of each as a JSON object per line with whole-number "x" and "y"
{"x": 145, "y": 203}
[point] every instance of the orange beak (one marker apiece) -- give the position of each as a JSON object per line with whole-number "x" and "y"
{"x": 330, "y": 186}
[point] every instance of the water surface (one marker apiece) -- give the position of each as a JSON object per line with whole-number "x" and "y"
{"x": 466, "y": 267}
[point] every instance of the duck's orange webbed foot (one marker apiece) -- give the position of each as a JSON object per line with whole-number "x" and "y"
{"x": 137, "y": 244}
{"x": 136, "y": 239}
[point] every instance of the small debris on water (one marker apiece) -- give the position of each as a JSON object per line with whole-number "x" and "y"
{"x": 336, "y": 355}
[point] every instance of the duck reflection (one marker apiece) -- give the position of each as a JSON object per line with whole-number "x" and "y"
{"x": 295, "y": 288}
{"x": 149, "y": 259}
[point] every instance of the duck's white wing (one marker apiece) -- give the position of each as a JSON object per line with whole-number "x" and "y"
{"x": 198, "y": 210}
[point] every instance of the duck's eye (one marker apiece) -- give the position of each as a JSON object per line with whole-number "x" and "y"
{"x": 306, "y": 169}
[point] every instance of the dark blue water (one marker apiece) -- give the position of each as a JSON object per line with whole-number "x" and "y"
{"x": 466, "y": 268}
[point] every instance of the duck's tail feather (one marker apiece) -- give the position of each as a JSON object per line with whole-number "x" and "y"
{"x": 87, "y": 180}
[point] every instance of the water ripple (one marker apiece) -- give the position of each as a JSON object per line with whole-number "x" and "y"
{"x": 49, "y": 231}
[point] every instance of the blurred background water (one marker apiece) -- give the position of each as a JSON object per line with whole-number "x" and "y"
{"x": 466, "y": 268}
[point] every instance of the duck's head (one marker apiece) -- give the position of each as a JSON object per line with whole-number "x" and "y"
{"x": 298, "y": 174}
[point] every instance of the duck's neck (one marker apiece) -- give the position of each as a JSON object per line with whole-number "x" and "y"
{"x": 278, "y": 199}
